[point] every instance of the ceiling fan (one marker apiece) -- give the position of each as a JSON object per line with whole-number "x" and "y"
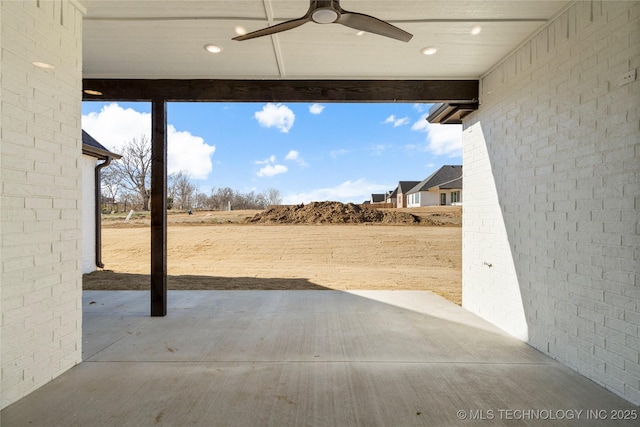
{"x": 330, "y": 12}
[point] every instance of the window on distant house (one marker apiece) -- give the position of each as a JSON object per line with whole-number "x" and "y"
{"x": 455, "y": 197}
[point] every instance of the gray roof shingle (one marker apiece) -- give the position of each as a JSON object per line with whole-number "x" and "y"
{"x": 454, "y": 184}
{"x": 444, "y": 175}
{"x": 378, "y": 198}
{"x": 405, "y": 186}
{"x": 93, "y": 148}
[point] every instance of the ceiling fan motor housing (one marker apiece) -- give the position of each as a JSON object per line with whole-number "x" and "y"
{"x": 324, "y": 16}
{"x": 325, "y": 11}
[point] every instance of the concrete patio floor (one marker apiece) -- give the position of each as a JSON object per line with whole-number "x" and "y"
{"x": 306, "y": 358}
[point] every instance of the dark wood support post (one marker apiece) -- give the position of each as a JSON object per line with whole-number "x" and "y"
{"x": 158, "y": 207}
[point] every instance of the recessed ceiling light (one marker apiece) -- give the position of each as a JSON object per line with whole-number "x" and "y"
{"x": 92, "y": 92}
{"x": 240, "y": 30}
{"x": 43, "y": 65}
{"x": 476, "y": 30}
{"x": 212, "y": 48}
{"x": 428, "y": 50}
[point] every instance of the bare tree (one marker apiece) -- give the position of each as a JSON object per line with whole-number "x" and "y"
{"x": 181, "y": 189}
{"x": 221, "y": 198}
{"x": 200, "y": 199}
{"x": 135, "y": 168}
{"x": 111, "y": 184}
{"x": 273, "y": 197}
{"x": 171, "y": 190}
{"x": 128, "y": 201}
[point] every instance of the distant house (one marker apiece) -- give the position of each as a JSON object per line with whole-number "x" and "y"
{"x": 378, "y": 198}
{"x": 443, "y": 187}
{"x": 92, "y": 153}
{"x": 392, "y": 198}
{"x": 402, "y": 190}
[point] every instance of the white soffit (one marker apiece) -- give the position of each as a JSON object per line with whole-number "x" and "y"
{"x": 165, "y": 39}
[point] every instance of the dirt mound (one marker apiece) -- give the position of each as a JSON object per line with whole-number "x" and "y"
{"x": 331, "y": 213}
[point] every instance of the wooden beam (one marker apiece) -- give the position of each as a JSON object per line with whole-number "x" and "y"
{"x": 432, "y": 91}
{"x": 158, "y": 208}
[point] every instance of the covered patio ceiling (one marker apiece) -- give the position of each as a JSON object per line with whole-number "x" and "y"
{"x": 165, "y": 39}
{"x": 155, "y": 49}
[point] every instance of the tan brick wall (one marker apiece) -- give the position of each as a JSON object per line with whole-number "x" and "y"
{"x": 40, "y": 200}
{"x": 552, "y": 194}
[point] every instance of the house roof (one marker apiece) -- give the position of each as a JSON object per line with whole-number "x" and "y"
{"x": 93, "y": 148}
{"x": 394, "y": 193}
{"x": 405, "y": 186}
{"x": 454, "y": 184}
{"x": 444, "y": 175}
{"x": 378, "y": 198}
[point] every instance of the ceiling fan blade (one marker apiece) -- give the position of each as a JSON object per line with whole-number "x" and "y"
{"x": 288, "y": 25}
{"x": 360, "y": 21}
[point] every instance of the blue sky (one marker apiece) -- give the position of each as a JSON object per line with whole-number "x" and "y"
{"x": 309, "y": 152}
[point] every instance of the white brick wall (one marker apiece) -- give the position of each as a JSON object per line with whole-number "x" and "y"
{"x": 40, "y": 151}
{"x": 552, "y": 194}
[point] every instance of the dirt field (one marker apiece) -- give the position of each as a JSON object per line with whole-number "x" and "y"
{"x": 220, "y": 250}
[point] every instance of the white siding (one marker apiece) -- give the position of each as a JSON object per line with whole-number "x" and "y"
{"x": 424, "y": 198}
{"x": 88, "y": 214}
{"x": 40, "y": 152}
{"x": 429, "y": 198}
{"x": 412, "y": 200}
{"x": 552, "y": 194}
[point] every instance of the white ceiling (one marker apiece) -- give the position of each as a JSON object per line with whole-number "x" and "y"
{"x": 165, "y": 39}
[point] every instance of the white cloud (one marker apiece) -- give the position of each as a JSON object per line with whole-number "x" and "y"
{"x": 420, "y": 107}
{"x": 270, "y": 159}
{"x": 187, "y": 152}
{"x": 294, "y": 156}
{"x": 276, "y": 115}
{"x": 442, "y": 140}
{"x": 114, "y": 126}
{"x": 349, "y": 191}
{"x": 271, "y": 170}
{"x": 421, "y": 125}
{"x": 316, "y": 108}
{"x": 397, "y": 121}
{"x": 401, "y": 122}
